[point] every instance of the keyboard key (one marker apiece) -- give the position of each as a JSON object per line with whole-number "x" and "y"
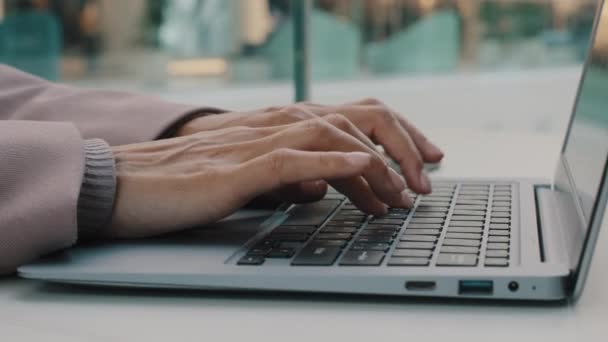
{"x": 267, "y": 243}
{"x": 312, "y": 255}
{"x": 362, "y": 258}
{"x": 377, "y": 232}
{"x": 501, "y": 203}
{"x": 502, "y": 198}
{"x": 416, "y": 245}
{"x": 417, "y": 253}
{"x": 499, "y": 262}
{"x": 424, "y": 208}
{"x": 387, "y": 221}
{"x": 470, "y": 202}
{"x": 348, "y": 224}
{"x": 311, "y": 214}
{"x": 374, "y": 238}
{"x": 469, "y": 207}
{"x": 494, "y": 232}
{"x": 328, "y": 243}
{"x": 433, "y": 198}
{"x": 461, "y": 242}
{"x": 459, "y": 249}
{"x": 445, "y": 259}
{"x": 383, "y": 227}
{"x": 422, "y": 238}
{"x": 281, "y": 253}
{"x": 500, "y": 226}
{"x": 424, "y": 226}
{"x": 469, "y": 212}
{"x": 261, "y": 251}
{"x": 399, "y": 261}
{"x": 396, "y": 215}
{"x": 333, "y": 236}
{"x": 434, "y": 204}
{"x": 351, "y": 218}
{"x": 429, "y": 214}
{"x": 497, "y": 253}
{"x": 427, "y": 220}
{"x": 503, "y": 239}
{"x": 501, "y": 209}
{"x": 497, "y": 245}
{"x": 466, "y": 224}
{"x": 288, "y": 237}
{"x": 468, "y": 218}
{"x": 476, "y": 230}
{"x": 423, "y": 231}
{"x": 499, "y": 214}
{"x": 337, "y": 230}
{"x": 473, "y": 197}
{"x": 251, "y": 260}
{"x": 370, "y": 246}
{"x": 467, "y": 236}
{"x": 294, "y": 229}
{"x": 500, "y": 220}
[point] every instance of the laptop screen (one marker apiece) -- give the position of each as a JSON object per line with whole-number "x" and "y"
{"x": 586, "y": 149}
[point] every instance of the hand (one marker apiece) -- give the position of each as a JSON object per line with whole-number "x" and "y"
{"x": 183, "y": 182}
{"x": 403, "y": 142}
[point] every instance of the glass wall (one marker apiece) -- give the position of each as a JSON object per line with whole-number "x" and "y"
{"x": 221, "y": 43}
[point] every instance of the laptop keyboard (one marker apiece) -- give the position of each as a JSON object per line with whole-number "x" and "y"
{"x": 459, "y": 224}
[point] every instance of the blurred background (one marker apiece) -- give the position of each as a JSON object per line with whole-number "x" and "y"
{"x": 423, "y": 57}
{"x": 219, "y": 43}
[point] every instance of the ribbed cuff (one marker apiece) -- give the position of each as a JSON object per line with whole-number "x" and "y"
{"x": 98, "y": 189}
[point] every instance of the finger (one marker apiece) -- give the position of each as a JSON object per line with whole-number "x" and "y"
{"x": 361, "y": 195}
{"x": 343, "y": 123}
{"x": 383, "y": 127}
{"x": 318, "y": 135}
{"x": 285, "y": 166}
{"x": 429, "y": 151}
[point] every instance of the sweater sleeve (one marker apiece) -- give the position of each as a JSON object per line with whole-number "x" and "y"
{"x": 41, "y": 168}
{"x": 116, "y": 117}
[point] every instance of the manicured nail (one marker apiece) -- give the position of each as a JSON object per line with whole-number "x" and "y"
{"x": 397, "y": 180}
{"x": 383, "y": 210}
{"x": 406, "y": 200}
{"x": 435, "y": 149}
{"x": 425, "y": 182}
{"x": 358, "y": 159}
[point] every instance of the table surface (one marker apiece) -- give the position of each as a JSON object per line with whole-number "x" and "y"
{"x": 31, "y": 310}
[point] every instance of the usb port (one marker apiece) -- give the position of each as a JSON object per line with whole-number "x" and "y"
{"x": 420, "y": 285}
{"x": 475, "y": 287}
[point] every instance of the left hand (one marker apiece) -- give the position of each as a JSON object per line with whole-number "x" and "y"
{"x": 381, "y": 125}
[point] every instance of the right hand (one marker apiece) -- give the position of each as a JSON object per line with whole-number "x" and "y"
{"x": 177, "y": 183}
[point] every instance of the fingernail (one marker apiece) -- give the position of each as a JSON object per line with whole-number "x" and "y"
{"x": 396, "y": 179}
{"x": 383, "y": 210}
{"x": 425, "y": 182}
{"x": 406, "y": 200}
{"x": 436, "y": 149}
{"x": 358, "y": 159}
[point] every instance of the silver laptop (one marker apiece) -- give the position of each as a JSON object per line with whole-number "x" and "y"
{"x": 512, "y": 239}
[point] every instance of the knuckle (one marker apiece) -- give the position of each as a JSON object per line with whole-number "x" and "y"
{"x": 371, "y": 101}
{"x": 339, "y": 120}
{"x": 273, "y": 109}
{"x": 296, "y": 113}
{"x": 319, "y": 128}
{"x": 277, "y": 160}
{"x": 385, "y": 115}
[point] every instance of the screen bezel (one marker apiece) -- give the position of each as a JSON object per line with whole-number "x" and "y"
{"x": 593, "y": 223}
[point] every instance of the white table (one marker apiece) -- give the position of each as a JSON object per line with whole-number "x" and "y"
{"x": 31, "y": 310}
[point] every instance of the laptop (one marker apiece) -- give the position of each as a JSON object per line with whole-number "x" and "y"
{"x": 508, "y": 239}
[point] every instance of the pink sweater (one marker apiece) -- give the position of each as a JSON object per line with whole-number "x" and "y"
{"x": 42, "y": 127}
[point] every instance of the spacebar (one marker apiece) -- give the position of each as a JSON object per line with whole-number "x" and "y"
{"x": 311, "y": 214}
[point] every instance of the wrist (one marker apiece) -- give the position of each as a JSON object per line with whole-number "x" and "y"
{"x": 98, "y": 189}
